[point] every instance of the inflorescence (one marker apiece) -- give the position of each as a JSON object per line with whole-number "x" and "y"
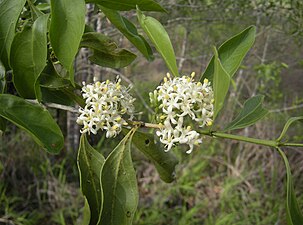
{"x": 106, "y": 104}
{"x": 180, "y": 101}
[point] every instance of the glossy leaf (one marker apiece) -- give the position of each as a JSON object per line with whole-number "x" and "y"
{"x": 165, "y": 162}
{"x": 9, "y": 14}
{"x": 90, "y": 163}
{"x": 66, "y": 29}
{"x": 2, "y": 78}
{"x": 232, "y": 52}
{"x": 159, "y": 37}
{"x": 105, "y": 52}
{"x": 28, "y": 58}
{"x": 145, "y": 5}
{"x": 129, "y": 30}
{"x": 34, "y": 119}
{"x": 293, "y": 212}
{"x": 221, "y": 84}
{"x": 252, "y": 112}
{"x": 119, "y": 185}
{"x": 287, "y": 125}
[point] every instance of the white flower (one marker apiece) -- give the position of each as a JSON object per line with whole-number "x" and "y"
{"x": 179, "y": 98}
{"x": 106, "y": 104}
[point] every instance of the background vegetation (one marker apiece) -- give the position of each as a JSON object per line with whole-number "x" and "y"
{"x": 220, "y": 182}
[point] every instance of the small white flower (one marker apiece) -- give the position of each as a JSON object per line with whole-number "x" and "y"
{"x": 106, "y": 104}
{"x": 179, "y": 98}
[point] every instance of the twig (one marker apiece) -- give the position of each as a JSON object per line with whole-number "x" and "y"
{"x": 63, "y": 107}
{"x": 183, "y": 50}
{"x": 286, "y": 108}
{"x": 54, "y": 105}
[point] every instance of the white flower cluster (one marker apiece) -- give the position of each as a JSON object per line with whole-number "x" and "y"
{"x": 179, "y": 99}
{"x": 105, "y": 104}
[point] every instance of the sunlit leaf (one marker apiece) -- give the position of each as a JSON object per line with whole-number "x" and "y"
{"x": 34, "y": 119}
{"x": 232, "y": 52}
{"x": 129, "y": 30}
{"x": 145, "y": 5}
{"x": 221, "y": 84}
{"x": 66, "y": 29}
{"x": 293, "y": 212}
{"x": 119, "y": 185}
{"x": 28, "y": 58}
{"x": 159, "y": 37}
{"x": 165, "y": 162}
{"x": 90, "y": 163}
{"x": 105, "y": 52}
{"x": 9, "y": 14}
{"x": 287, "y": 125}
{"x": 252, "y": 112}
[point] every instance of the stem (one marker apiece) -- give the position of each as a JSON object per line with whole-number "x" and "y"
{"x": 269, "y": 143}
{"x": 152, "y": 125}
{"x": 291, "y": 144}
{"x": 242, "y": 138}
{"x": 142, "y": 124}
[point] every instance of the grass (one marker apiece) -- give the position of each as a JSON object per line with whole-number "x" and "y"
{"x": 36, "y": 188}
{"x": 210, "y": 190}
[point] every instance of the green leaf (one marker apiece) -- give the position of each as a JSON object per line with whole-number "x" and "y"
{"x": 232, "y": 52}
{"x": 165, "y": 162}
{"x": 49, "y": 78}
{"x": 90, "y": 163}
{"x": 287, "y": 125}
{"x": 28, "y": 58}
{"x": 66, "y": 29}
{"x": 221, "y": 84}
{"x": 293, "y": 212}
{"x": 120, "y": 185}
{"x": 145, "y": 5}
{"x": 2, "y": 78}
{"x": 34, "y": 119}
{"x": 252, "y": 112}
{"x": 57, "y": 96}
{"x": 105, "y": 52}
{"x": 9, "y": 14}
{"x": 43, "y": 6}
{"x": 129, "y": 30}
{"x": 56, "y": 89}
{"x": 159, "y": 37}
{"x": 86, "y": 213}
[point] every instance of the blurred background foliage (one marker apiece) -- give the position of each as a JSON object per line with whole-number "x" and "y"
{"x": 221, "y": 182}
